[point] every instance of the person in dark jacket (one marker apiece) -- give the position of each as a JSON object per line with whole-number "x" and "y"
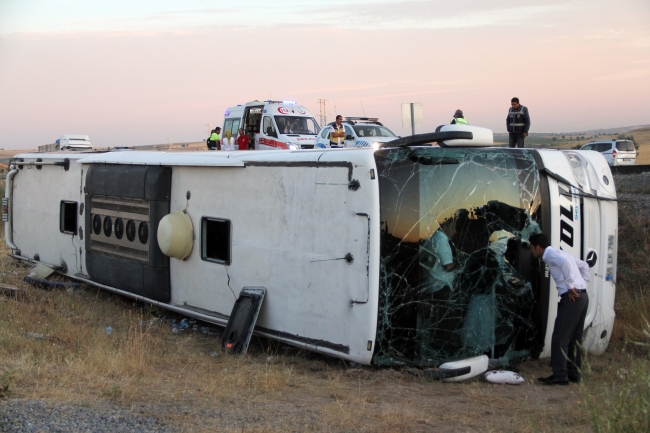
{"x": 459, "y": 119}
{"x": 517, "y": 123}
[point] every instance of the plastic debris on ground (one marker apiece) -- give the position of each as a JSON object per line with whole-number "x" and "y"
{"x": 35, "y": 335}
{"x": 11, "y": 290}
{"x": 39, "y": 270}
{"x": 109, "y": 330}
{"x": 503, "y": 377}
{"x": 188, "y": 324}
{"x": 150, "y": 324}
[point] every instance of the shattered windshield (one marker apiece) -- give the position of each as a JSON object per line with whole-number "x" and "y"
{"x": 455, "y": 275}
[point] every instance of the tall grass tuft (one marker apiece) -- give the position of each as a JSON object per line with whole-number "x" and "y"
{"x": 623, "y": 406}
{"x": 632, "y": 297}
{"x": 621, "y": 402}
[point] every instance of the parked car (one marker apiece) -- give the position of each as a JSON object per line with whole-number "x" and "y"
{"x": 616, "y": 152}
{"x": 359, "y": 132}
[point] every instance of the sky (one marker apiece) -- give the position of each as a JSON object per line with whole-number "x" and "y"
{"x": 148, "y": 72}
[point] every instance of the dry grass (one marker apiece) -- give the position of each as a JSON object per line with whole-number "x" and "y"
{"x": 621, "y": 401}
{"x": 642, "y": 137}
{"x": 632, "y": 297}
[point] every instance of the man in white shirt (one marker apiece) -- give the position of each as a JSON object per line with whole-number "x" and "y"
{"x": 571, "y": 278}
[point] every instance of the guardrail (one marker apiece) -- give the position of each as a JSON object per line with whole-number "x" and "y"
{"x": 630, "y": 169}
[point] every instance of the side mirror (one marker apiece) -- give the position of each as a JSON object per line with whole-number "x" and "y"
{"x": 271, "y": 132}
{"x": 349, "y": 137}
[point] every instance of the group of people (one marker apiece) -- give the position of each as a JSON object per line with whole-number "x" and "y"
{"x": 228, "y": 142}
{"x": 517, "y": 123}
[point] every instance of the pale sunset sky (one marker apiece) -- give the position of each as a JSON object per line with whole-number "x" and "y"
{"x": 143, "y": 72}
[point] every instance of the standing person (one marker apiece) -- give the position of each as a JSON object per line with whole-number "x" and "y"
{"x": 242, "y": 140}
{"x": 337, "y": 133}
{"x": 517, "y": 123}
{"x": 228, "y": 142}
{"x": 213, "y": 140}
{"x": 218, "y": 139}
{"x": 459, "y": 119}
{"x": 570, "y": 277}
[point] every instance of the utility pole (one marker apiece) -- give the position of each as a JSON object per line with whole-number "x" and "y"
{"x": 323, "y": 112}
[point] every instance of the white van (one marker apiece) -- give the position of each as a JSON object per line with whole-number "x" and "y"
{"x": 273, "y": 124}
{"x": 616, "y": 152}
{"x": 74, "y": 142}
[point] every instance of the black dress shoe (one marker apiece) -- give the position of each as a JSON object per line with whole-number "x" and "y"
{"x": 552, "y": 380}
{"x": 575, "y": 379}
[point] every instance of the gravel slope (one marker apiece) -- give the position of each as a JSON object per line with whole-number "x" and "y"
{"x": 41, "y": 416}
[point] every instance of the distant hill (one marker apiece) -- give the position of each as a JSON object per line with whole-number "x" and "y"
{"x": 601, "y": 131}
{"x": 564, "y": 140}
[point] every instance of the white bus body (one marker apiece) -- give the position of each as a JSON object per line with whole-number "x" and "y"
{"x": 273, "y": 125}
{"x": 337, "y": 237}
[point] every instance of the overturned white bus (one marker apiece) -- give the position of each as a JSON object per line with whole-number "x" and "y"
{"x": 348, "y": 243}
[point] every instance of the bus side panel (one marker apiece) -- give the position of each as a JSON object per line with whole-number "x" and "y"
{"x": 36, "y": 212}
{"x": 292, "y": 228}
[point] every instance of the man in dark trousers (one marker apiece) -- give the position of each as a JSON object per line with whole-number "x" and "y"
{"x": 571, "y": 278}
{"x": 517, "y": 123}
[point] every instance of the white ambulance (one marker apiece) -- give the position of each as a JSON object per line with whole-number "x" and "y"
{"x": 273, "y": 124}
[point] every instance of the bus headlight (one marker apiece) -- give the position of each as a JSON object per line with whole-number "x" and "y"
{"x": 294, "y": 147}
{"x": 579, "y": 168}
{"x": 375, "y": 145}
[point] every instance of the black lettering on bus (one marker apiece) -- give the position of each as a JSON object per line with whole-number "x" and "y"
{"x": 567, "y": 212}
{"x": 566, "y": 233}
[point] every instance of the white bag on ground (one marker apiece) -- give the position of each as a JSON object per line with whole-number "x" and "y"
{"x": 503, "y": 376}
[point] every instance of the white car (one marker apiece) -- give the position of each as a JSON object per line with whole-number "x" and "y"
{"x": 616, "y": 152}
{"x": 359, "y": 132}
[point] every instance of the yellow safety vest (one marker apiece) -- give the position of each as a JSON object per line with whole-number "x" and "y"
{"x": 336, "y": 140}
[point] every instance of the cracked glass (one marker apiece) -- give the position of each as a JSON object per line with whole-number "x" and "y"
{"x": 457, "y": 278}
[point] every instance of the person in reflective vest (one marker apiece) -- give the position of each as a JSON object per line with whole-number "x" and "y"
{"x": 517, "y": 123}
{"x": 337, "y": 133}
{"x": 214, "y": 142}
{"x": 459, "y": 119}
